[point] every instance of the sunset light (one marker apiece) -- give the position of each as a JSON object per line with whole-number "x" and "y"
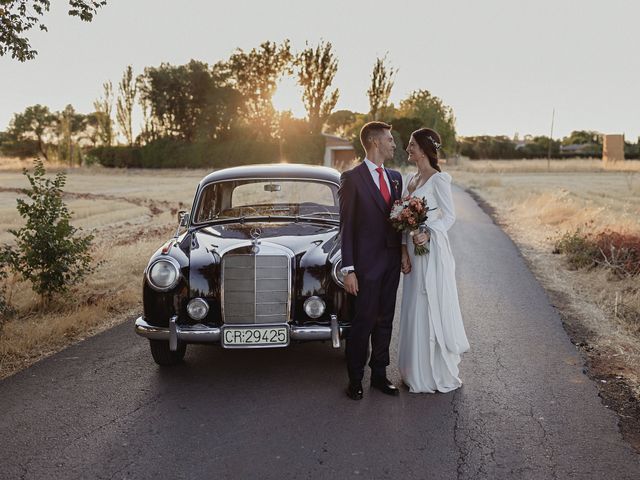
{"x": 288, "y": 96}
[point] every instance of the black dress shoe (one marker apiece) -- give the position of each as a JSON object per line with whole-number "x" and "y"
{"x": 384, "y": 385}
{"x": 354, "y": 390}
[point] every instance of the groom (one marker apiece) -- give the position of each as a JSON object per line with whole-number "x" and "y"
{"x": 370, "y": 257}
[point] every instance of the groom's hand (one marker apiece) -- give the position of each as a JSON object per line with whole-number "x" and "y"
{"x": 351, "y": 283}
{"x": 405, "y": 265}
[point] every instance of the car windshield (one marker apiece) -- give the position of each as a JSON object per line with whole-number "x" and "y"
{"x": 247, "y": 198}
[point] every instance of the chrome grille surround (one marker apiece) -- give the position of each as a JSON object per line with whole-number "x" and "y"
{"x": 256, "y": 287}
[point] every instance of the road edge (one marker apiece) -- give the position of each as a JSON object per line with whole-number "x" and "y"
{"x": 615, "y": 394}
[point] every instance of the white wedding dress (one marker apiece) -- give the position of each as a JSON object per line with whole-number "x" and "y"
{"x": 432, "y": 335}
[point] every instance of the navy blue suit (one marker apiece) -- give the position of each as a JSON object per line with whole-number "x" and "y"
{"x": 372, "y": 246}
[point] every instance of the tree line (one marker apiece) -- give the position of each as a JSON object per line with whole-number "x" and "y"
{"x": 579, "y": 143}
{"x": 194, "y": 107}
{"x": 201, "y": 115}
{"x": 194, "y": 112}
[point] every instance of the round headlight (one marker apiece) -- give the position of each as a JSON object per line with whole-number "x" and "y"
{"x": 337, "y": 274}
{"x": 197, "y": 308}
{"x": 314, "y": 307}
{"x": 163, "y": 275}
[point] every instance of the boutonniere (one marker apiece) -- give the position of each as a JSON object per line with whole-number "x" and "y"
{"x": 396, "y": 185}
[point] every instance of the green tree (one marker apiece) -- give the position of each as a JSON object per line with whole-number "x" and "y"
{"x": 71, "y": 129}
{"x": 405, "y": 127}
{"x": 317, "y": 68}
{"x": 188, "y": 102}
{"x": 49, "y": 252}
{"x": 127, "y": 92}
{"x": 538, "y": 147}
{"x": 35, "y": 123}
{"x": 92, "y": 129}
{"x": 255, "y": 75}
{"x": 581, "y": 137}
{"x": 103, "y": 107}
{"x": 339, "y": 123}
{"x": 149, "y": 128}
{"x": 432, "y": 113}
{"x": 17, "y": 17}
{"x": 488, "y": 147}
{"x": 380, "y": 88}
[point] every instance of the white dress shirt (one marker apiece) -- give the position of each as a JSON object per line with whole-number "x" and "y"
{"x": 374, "y": 174}
{"x": 376, "y": 179}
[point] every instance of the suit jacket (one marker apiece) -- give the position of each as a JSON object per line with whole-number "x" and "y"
{"x": 368, "y": 240}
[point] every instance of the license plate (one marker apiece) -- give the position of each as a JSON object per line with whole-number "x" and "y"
{"x": 247, "y": 337}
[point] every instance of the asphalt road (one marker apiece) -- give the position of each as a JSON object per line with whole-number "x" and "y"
{"x": 102, "y": 409}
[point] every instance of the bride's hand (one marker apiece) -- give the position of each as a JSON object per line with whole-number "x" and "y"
{"x": 420, "y": 238}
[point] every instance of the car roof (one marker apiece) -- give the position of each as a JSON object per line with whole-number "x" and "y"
{"x": 274, "y": 170}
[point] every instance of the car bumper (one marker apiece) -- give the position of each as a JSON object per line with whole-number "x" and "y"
{"x": 204, "y": 334}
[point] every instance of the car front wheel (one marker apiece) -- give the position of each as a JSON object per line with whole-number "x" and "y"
{"x": 163, "y": 356}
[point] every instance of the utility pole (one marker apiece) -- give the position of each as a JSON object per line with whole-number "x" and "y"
{"x": 553, "y": 115}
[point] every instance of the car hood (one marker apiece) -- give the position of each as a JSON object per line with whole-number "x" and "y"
{"x": 312, "y": 244}
{"x": 298, "y": 237}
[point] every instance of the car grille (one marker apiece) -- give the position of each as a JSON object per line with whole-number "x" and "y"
{"x": 256, "y": 288}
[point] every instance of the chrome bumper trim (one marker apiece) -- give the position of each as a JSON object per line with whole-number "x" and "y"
{"x": 203, "y": 334}
{"x": 335, "y": 331}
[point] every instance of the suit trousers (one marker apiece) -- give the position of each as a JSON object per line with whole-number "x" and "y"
{"x": 375, "y": 307}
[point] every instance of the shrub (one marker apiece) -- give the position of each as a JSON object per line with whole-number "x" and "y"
{"x": 244, "y": 150}
{"x": 580, "y": 249}
{"x": 5, "y": 308}
{"x": 48, "y": 251}
{"x": 619, "y": 252}
{"x": 116, "y": 157}
{"x": 303, "y": 148}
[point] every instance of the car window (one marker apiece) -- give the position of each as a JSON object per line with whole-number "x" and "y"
{"x": 281, "y": 192}
{"x": 267, "y": 197}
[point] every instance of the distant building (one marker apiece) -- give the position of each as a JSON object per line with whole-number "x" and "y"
{"x": 613, "y": 148}
{"x": 338, "y": 152}
{"x": 579, "y": 149}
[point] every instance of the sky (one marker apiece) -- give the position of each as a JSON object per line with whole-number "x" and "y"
{"x": 502, "y": 65}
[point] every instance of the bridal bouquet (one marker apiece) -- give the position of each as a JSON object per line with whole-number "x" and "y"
{"x": 410, "y": 213}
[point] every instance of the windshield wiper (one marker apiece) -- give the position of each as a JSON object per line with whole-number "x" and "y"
{"x": 324, "y": 213}
{"x": 250, "y": 218}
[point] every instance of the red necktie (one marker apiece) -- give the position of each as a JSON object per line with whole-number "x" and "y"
{"x": 384, "y": 190}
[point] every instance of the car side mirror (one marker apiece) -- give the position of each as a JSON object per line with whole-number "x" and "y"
{"x": 183, "y": 218}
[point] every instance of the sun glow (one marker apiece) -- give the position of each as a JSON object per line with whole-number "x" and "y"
{"x": 288, "y": 96}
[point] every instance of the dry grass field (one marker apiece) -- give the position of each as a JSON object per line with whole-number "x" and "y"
{"x": 131, "y": 213}
{"x": 535, "y": 206}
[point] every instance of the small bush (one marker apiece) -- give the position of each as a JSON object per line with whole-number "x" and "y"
{"x": 619, "y": 252}
{"x": 579, "y": 248}
{"x": 5, "y": 308}
{"x": 116, "y": 157}
{"x": 48, "y": 251}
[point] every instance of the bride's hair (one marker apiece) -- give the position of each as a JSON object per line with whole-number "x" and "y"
{"x": 429, "y": 142}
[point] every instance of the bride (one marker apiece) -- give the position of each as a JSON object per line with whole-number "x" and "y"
{"x": 432, "y": 335}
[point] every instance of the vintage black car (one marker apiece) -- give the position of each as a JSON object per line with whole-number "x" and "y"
{"x": 257, "y": 266}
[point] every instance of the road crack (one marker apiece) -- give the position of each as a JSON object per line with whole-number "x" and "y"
{"x": 456, "y": 435}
